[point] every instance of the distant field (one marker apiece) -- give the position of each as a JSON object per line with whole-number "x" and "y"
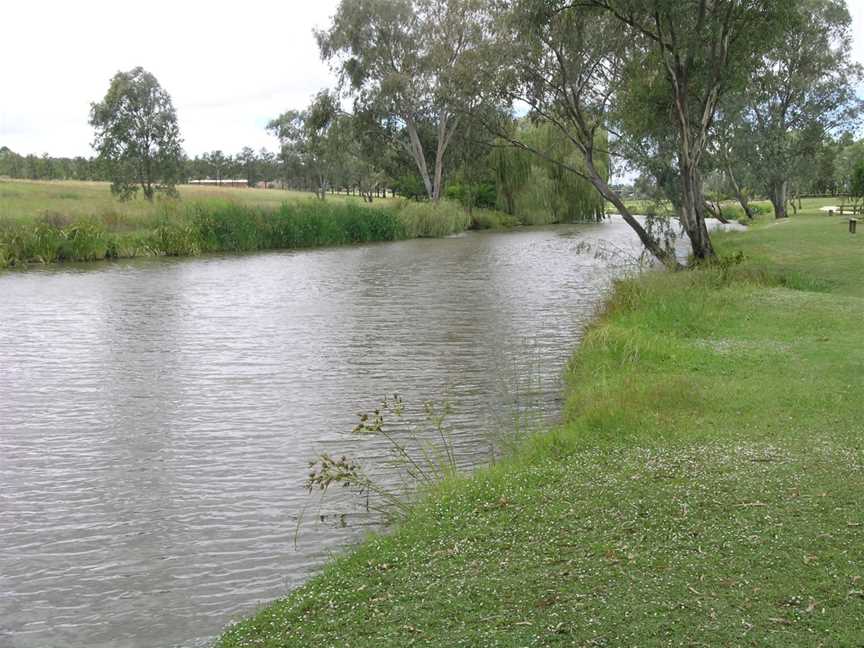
{"x": 46, "y": 222}
{"x": 67, "y": 200}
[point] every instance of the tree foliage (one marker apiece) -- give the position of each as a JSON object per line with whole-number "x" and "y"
{"x": 410, "y": 61}
{"x": 137, "y": 135}
{"x": 803, "y": 89}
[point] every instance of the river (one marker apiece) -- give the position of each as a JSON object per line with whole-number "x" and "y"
{"x": 157, "y": 416}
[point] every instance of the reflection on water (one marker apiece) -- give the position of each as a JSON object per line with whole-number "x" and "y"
{"x": 156, "y": 416}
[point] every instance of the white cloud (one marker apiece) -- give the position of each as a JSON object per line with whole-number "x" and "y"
{"x": 230, "y": 67}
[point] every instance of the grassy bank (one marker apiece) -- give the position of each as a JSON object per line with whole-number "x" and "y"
{"x": 704, "y": 488}
{"x": 49, "y": 222}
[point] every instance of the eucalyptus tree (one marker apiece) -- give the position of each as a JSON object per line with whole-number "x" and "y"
{"x": 137, "y": 135}
{"x": 650, "y": 72}
{"x": 848, "y": 156}
{"x": 732, "y": 152}
{"x": 247, "y": 161}
{"x": 802, "y": 90}
{"x": 267, "y": 166}
{"x": 312, "y": 138}
{"x": 412, "y": 61}
{"x": 217, "y": 163}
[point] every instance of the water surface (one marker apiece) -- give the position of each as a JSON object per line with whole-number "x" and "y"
{"x": 157, "y": 416}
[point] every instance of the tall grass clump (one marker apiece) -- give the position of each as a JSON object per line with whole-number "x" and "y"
{"x": 432, "y": 220}
{"x": 484, "y": 219}
{"x": 44, "y": 242}
{"x": 312, "y": 224}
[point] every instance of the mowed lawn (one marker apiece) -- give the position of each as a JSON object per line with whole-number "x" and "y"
{"x": 706, "y": 487}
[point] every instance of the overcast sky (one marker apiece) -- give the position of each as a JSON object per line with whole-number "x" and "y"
{"x": 230, "y": 68}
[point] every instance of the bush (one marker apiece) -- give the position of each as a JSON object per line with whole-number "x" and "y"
{"x": 410, "y": 186}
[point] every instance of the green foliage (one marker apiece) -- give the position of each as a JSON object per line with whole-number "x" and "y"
{"x": 780, "y": 128}
{"x": 762, "y": 209}
{"x": 733, "y": 212}
{"x": 221, "y": 225}
{"x": 429, "y": 219}
{"x": 85, "y": 240}
{"x": 483, "y": 219}
{"x": 410, "y": 186}
{"x": 137, "y": 135}
{"x": 42, "y": 242}
{"x": 856, "y": 186}
{"x": 476, "y": 194}
{"x": 540, "y": 191}
{"x": 411, "y": 60}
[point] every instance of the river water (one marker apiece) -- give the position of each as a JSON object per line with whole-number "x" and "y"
{"x": 157, "y": 416}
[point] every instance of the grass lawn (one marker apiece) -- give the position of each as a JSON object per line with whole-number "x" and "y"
{"x": 704, "y": 488}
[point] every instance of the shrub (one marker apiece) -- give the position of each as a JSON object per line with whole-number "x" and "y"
{"x": 217, "y": 225}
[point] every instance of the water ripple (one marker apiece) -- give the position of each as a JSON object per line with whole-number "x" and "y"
{"x": 156, "y": 417}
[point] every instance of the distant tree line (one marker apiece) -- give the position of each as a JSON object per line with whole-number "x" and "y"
{"x": 254, "y": 166}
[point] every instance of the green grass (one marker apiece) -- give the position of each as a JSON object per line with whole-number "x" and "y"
{"x": 25, "y": 200}
{"x": 45, "y": 222}
{"x": 704, "y": 488}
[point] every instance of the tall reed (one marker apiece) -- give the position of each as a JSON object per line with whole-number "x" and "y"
{"x": 189, "y": 229}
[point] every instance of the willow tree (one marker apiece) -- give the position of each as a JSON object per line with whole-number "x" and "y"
{"x": 512, "y": 169}
{"x": 530, "y": 183}
{"x": 410, "y": 60}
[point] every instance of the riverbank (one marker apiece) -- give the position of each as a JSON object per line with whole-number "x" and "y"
{"x": 43, "y": 222}
{"x": 703, "y": 489}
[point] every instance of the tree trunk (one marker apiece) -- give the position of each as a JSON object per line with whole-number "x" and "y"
{"x": 444, "y": 136}
{"x": 415, "y": 148}
{"x": 739, "y": 195}
{"x": 716, "y": 211}
{"x": 692, "y": 212}
{"x": 778, "y": 199}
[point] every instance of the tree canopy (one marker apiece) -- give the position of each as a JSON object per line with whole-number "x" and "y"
{"x": 137, "y": 135}
{"x": 409, "y": 61}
